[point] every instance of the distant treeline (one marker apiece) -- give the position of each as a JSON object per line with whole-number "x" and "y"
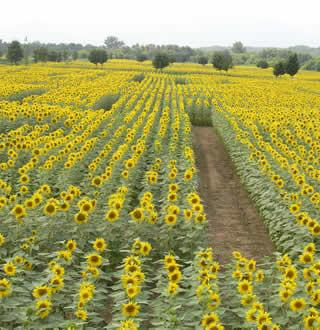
{"x": 35, "y": 51}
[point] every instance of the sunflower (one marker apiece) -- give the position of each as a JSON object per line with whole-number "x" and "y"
{"x": 81, "y": 218}
{"x": 58, "y": 270}
{"x": 99, "y": 245}
{"x": 44, "y": 308}
{"x": 214, "y": 301}
{"x": 5, "y": 288}
{"x": 297, "y": 305}
{"x": 41, "y": 291}
{"x": 10, "y": 269}
{"x": 56, "y": 283}
{"x": 137, "y": 214}
{"x": 209, "y": 319}
{"x": 81, "y": 314}
{"x": 50, "y": 209}
{"x": 306, "y": 258}
{"x": 2, "y": 239}
{"x": 294, "y": 208}
{"x": 175, "y": 277}
{"x": 112, "y": 215}
{"x": 145, "y": 248}
{"x": 94, "y": 260}
{"x": 132, "y": 291}
{"x": 130, "y": 309}
{"x": 244, "y": 287}
{"x": 170, "y": 219}
{"x": 19, "y": 211}
{"x": 71, "y": 245}
{"x": 85, "y": 295}
{"x": 187, "y": 214}
{"x": 128, "y": 325}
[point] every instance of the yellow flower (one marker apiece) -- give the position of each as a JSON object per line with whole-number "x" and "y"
{"x": 128, "y": 325}
{"x": 170, "y": 219}
{"x": 19, "y": 211}
{"x": 130, "y": 309}
{"x": 71, "y": 245}
{"x": 297, "y": 305}
{"x": 5, "y": 288}
{"x": 50, "y": 209}
{"x": 10, "y": 269}
{"x": 81, "y": 314}
{"x": 244, "y": 287}
{"x": 2, "y": 239}
{"x": 41, "y": 291}
{"x": 112, "y": 215}
{"x": 94, "y": 260}
{"x": 137, "y": 214}
{"x": 132, "y": 291}
{"x": 99, "y": 245}
{"x": 44, "y": 308}
{"x": 81, "y": 218}
{"x": 209, "y": 320}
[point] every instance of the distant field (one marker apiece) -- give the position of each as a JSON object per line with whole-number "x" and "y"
{"x": 102, "y": 223}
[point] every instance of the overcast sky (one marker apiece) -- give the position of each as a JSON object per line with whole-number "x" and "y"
{"x": 196, "y": 23}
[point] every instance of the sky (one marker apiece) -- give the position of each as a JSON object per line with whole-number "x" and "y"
{"x": 197, "y": 23}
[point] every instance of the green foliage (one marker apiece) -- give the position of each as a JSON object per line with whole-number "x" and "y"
{"x": 181, "y": 81}
{"x": 138, "y": 77}
{"x": 142, "y": 57}
{"x": 313, "y": 65}
{"x": 40, "y": 54}
{"x": 203, "y": 60}
{"x": 54, "y": 56}
{"x": 292, "y": 65}
{"x": 160, "y": 61}
{"x": 222, "y": 60}
{"x": 22, "y": 95}
{"x": 75, "y": 55}
{"x": 98, "y": 56}
{"x": 15, "y": 52}
{"x": 238, "y": 48}
{"x": 263, "y": 64}
{"x": 105, "y": 102}
{"x": 279, "y": 69}
{"x": 113, "y": 42}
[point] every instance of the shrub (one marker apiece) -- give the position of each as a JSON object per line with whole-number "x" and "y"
{"x": 138, "y": 77}
{"x": 105, "y": 102}
{"x": 263, "y": 64}
{"x": 18, "y": 97}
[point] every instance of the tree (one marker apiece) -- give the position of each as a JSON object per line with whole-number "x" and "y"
{"x": 160, "y": 61}
{"x": 141, "y": 57}
{"x": 75, "y": 55}
{"x": 203, "y": 60}
{"x": 40, "y": 54}
{"x": 292, "y": 65}
{"x": 98, "y": 56}
{"x": 279, "y": 69}
{"x": 54, "y": 56}
{"x": 15, "y": 52}
{"x": 263, "y": 64}
{"x": 238, "y": 47}
{"x": 222, "y": 60}
{"x": 103, "y": 56}
{"x": 113, "y": 42}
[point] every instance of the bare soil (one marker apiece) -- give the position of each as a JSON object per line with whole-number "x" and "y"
{"x": 234, "y": 222}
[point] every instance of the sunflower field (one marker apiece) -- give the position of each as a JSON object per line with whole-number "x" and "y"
{"x": 101, "y": 222}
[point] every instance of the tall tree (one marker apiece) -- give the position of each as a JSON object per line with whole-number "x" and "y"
{"x": 40, "y": 54}
{"x": 160, "y": 61}
{"x": 98, "y": 56}
{"x": 15, "y": 52}
{"x": 203, "y": 60}
{"x": 292, "y": 65}
{"x": 279, "y": 69}
{"x": 222, "y": 60}
{"x": 113, "y": 42}
{"x": 238, "y": 47}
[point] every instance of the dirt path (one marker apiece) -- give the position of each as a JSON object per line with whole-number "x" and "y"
{"x": 234, "y": 223}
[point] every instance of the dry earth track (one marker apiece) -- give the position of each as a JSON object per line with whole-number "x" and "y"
{"x": 234, "y": 222}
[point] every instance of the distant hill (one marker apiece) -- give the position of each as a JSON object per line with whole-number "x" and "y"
{"x": 298, "y": 49}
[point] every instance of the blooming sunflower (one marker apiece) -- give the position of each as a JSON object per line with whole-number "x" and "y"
{"x": 130, "y": 309}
